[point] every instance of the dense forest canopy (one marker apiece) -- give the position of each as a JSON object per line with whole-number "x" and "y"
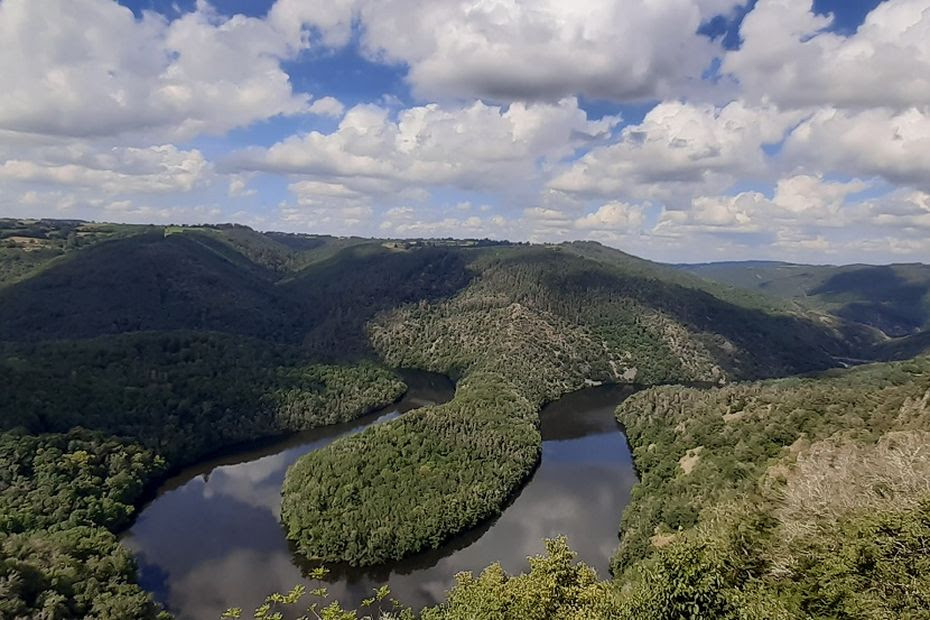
{"x": 128, "y": 351}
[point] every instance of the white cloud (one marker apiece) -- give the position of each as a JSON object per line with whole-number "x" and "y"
{"x": 613, "y": 216}
{"x": 87, "y": 68}
{"x": 118, "y": 170}
{"x": 877, "y": 142}
{"x": 679, "y": 149}
{"x": 476, "y": 146}
{"x": 68, "y": 203}
{"x": 98, "y": 110}
{"x": 547, "y": 217}
{"x": 506, "y": 50}
{"x": 797, "y": 242}
{"x": 803, "y": 207}
{"x": 328, "y": 22}
{"x": 327, "y": 106}
{"x": 239, "y": 187}
{"x": 407, "y": 221}
{"x": 335, "y": 219}
{"x": 906, "y": 212}
{"x": 510, "y": 50}
{"x": 128, "y": 211}
{"x": 788, "y": 57}
{"x": 811, "y": 196}
{"x": 737, "y": 213}
{"x": 309, "y": 192}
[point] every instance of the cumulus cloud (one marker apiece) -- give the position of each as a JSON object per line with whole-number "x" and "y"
{"x": 239, "y": 187}
{"x": 327, "y": 106}
{"x": 790, "y": 57}
{"x": 613, "y": 216}
{"x": 715, "y": 213}
{"x": 812, "y": 195}
{"x": 798, "y": 201}
{"x": 807, "y": 218}
{"x": 905, "y": 211}
{"x": 99, "y": 71}
{"x": 334, "y": 219}
{"x": 78, "y": 203}
{"x": 310, "y": 192}
{"x": 679, "y": 148}
{"x": 876, "y": 142}
{"x": 409, "y": 222}
{"x": 328, "y": 22}
{"x": 475, "y": 146}
{"x": 507, "y": 50}
{"x": 118, "y": 170}
{"x": 806, "y": 141}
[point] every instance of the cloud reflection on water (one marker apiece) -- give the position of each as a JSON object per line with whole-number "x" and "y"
{"x": 216, "y": 541}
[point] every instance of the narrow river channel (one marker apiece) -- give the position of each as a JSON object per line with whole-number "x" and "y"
{"x": 212, "y": 539}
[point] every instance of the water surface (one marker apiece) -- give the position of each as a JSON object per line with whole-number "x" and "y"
{"x": 212, "y": 538}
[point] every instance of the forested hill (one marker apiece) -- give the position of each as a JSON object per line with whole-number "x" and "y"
{"x": 791, "y": 498}
{"x": 892, "y": 298}
{"x": 128, "y": 350}
{"x": 78, "y": 280}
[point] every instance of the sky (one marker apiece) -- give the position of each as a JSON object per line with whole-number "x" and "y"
{"x": 677, "y": 130}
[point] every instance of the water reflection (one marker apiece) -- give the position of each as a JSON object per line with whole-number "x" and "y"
{"x": 212, "y": 538}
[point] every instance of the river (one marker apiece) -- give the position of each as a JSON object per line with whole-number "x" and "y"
{"x": 211, "y": 539}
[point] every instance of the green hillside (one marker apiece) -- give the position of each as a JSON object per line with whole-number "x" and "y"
{"x": 533, "y": 324}
{"x": 28, "y": 246}
{"x": 797, "y": 497}
{"x": 147, "y": 282}
{"x": 131, "y": 350}
{"x": 902, "y": 348}
{"x": 86, "y": 426}
{"x": 786, "y": 499}
{"x": 892, "y": 298}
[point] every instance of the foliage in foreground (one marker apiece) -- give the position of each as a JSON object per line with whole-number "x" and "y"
{"x": 556, "y": 587}
{"x": 870, "y": 566}
{"x": 696, "y": 449}
{"x": 154, "y": 401}
{"x": 797, "y": 498}
{"x": 807, "y": 498}
{"x": 277, "y": 606}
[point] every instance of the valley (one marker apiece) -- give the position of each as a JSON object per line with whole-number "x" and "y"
{"x": 132, "y": 354}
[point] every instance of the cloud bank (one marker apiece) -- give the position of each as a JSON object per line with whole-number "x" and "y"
{"x": 616, "y": 120}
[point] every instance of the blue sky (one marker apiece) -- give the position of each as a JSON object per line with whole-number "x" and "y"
{"x": 681, "y": 130}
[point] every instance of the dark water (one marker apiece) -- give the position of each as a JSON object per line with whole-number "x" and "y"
{"x": 212, "y": 539}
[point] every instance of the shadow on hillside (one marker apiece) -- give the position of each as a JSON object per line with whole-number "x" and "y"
{"x": 341, "y": 295}
{"x": 151, "y": 282}
{"x": 880, "y": 297}
{"x": 767, "y": 344}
